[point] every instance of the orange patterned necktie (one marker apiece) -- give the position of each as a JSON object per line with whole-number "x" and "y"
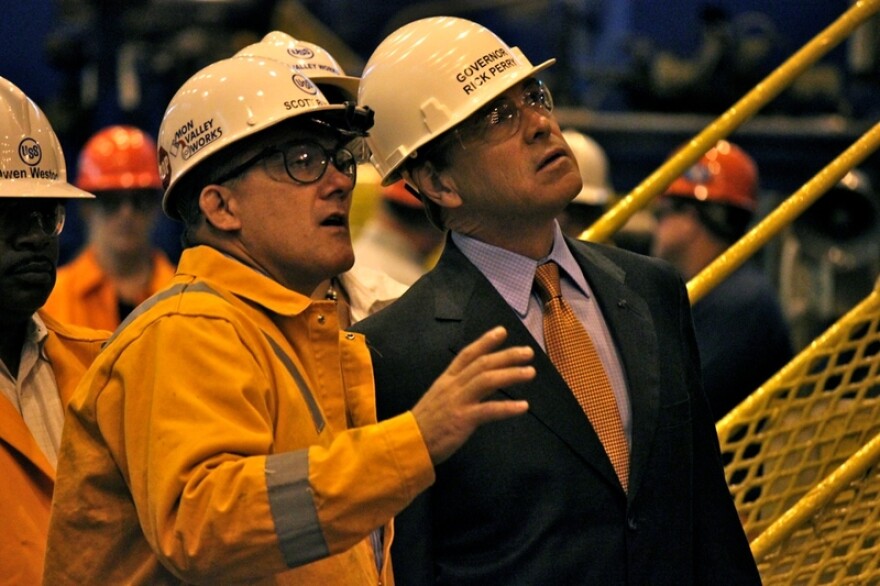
{"x": 574, "y": 355}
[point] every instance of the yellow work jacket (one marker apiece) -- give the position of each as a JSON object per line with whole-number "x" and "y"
{"x": 227, "y": 433}
{"x": 27, "y": 476}
{"x": 85, "y": 295}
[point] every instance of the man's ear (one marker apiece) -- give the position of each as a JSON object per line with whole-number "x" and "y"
{"x": 219, "y": 208}
{"x": 438, "y": 186}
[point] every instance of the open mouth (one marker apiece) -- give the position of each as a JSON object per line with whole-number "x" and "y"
{"x": 551, "y": 158}
{"x": 336, "y": 220}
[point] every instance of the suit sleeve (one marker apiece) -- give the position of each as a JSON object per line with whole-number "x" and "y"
{"x": 412, "y": 548}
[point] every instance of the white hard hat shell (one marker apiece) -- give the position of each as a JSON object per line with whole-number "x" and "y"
{"x": 427, "y": 77}
{"x": 593, "y": 164}
{"x": 31, "y": 160}
{"x": 225, "y": 102}
{"x": 309, "y": 58}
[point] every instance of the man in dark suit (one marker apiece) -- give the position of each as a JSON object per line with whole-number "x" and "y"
{"x": 536, "y": 500}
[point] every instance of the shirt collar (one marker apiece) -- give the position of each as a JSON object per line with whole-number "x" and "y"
{"x": 369, "y": 290}
{"x": 513, "y": 274}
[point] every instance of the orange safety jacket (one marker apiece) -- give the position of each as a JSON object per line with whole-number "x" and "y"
{"x": 85, "y": 295}
{"x": 28, "y": 477}
{"x": 227, "y": 433}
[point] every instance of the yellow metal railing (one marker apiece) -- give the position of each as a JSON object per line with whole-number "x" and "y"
{"x": 832, "y": 535}
{"x": 730, "y": 120}
{"x": 806, "y": 421}
{"x": 782, "y": 216}
{"x": 802, "y": 453}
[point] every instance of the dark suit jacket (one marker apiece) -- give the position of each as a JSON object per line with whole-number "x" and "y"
{"x": 534, "y": 500}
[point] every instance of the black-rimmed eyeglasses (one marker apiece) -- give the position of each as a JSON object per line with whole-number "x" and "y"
{"x": 304, "y": 160}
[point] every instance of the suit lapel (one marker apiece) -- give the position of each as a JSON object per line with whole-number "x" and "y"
{"x": 469, "y": 305}
{"x": 629, "y": 321}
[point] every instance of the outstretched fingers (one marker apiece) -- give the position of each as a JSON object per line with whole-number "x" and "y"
{"x": 455, "y": 404}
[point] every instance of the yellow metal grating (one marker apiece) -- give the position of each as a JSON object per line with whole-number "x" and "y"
{"x": 806, "y": 421}
{"x": 833, "y": 535}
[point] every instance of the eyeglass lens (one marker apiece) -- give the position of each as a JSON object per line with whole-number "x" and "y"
{"x": 21, "y": 215}
{"x": 306, "y": 162}
{"x": 500, "y": 119}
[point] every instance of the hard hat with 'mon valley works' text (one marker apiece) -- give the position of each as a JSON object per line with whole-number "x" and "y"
{"x": 232, "y": 99}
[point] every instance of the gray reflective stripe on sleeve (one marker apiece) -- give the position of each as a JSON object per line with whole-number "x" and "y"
{"x": 317, "y": 417}
{"x": 151, "y": 302}
{"x": 293, "y": 508}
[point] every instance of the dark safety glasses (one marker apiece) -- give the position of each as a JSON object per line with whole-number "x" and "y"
{"x": 144, "y": 201}
{"x": 19, "y": 215}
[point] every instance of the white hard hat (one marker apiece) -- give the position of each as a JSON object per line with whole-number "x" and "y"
{"x": 593, "y": 164}
{"x": 227, "y": 101}
{"x": 31, "y": 161}
{"x": 314, "y": 61}
{"x": 430, "y": 75}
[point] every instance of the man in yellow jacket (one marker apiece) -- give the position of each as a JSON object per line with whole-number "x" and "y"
{"x": 41, "y": 360}
{"x": 227, "y": 433}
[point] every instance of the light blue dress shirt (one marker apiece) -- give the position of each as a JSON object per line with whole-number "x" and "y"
{"x": 513, "y": 276}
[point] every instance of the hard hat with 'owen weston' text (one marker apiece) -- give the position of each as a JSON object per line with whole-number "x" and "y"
{"x": 31, "y": 160}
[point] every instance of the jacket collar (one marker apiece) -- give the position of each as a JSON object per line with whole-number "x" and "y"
{"x": 241, "y": 280}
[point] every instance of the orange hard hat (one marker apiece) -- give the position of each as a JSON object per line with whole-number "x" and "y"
{"x": 725, "y": 175}
{"x": 398, "y": 193}
{"x": 119, "y": 157}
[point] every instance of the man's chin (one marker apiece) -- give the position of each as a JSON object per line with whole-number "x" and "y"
{"x": 25, "y": 302}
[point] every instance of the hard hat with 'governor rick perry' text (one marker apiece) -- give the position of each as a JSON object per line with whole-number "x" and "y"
{"x": 427, "y": 77}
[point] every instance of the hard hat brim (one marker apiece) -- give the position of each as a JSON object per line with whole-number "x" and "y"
{"x": 346, "y": 83}
{"x": 595, "y": 196}
{"x": 43, "y": 189}
{"x": 394, "y": 174}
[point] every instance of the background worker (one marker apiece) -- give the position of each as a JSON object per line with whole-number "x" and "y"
{"x": 119, "y": 268}
{"x": 596, "y": 198}
{"x": 41, "y": 360}
{"x": 593, "y": 198}
{"x": 614, "y": 475}
{"x": 361, "y": 290}
{"x": 227, "y": 433}
{"x": 398, "y": 239}
{"x": 741, "y": 330}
